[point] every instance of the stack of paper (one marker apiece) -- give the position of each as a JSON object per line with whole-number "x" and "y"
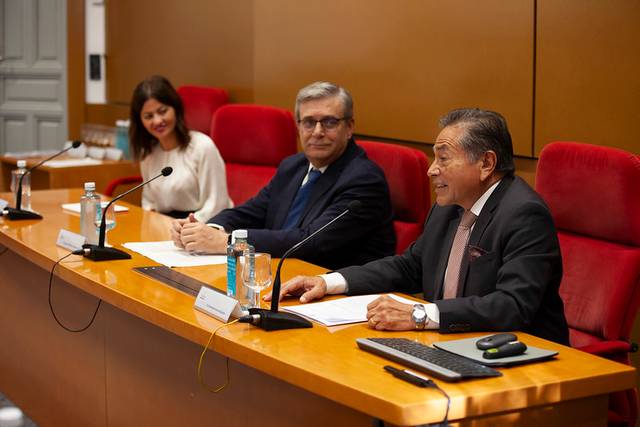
{"x": 340, "y": 311}
{"x": 166, "y": 253}
{"x": 66, "y": 163}
{"x": 75, "y": 207}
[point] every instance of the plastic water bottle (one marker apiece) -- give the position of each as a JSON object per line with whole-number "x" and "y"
{"x": 122, "y": 137}
{"x": 235, "y": 252}
{"x": 89, "y": 203}
{"x": 25, "y": 203}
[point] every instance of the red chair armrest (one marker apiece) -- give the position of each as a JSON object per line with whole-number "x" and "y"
{"x": 608, "y": 348}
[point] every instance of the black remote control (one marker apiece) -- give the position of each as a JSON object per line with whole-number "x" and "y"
{"x": 494, "y": 341}
{"x": 505, "y": 350}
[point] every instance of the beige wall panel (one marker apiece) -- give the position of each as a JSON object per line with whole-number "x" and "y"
{"x": 106, "y": 114}
{"x": 406, "y": 62}
{"x": 205, "y": 42}
{"x": 588, "y": 73}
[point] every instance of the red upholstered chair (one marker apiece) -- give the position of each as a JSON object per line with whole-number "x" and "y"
{"x": 123, "y": 184}
{"x": 253, "y": 140}
{"x": 113, "y": 184}
{"x": 200, "y": 102}
{"x": 592, "y": 192}
{"x": 406, "y": 172}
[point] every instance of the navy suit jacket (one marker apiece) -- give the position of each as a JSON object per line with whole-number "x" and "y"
{"x": 352, "y": 240}
{"x": 511, "y": 272}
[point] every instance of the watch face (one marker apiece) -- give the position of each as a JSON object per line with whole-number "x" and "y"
{"x": 419, "y": 315}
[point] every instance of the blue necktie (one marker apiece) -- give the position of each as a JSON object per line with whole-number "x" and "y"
{"x": 302, "y": 196}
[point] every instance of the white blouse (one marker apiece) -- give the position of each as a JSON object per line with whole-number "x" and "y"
{"x": 198, "y": 182}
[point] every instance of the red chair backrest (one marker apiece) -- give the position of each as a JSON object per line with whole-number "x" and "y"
{"x": 253, "y": 140}
{"x": 406, "y": 172}
{"x": 125, "y": 180}
{"x": 123, "y": 184}
{"x": 592, "y": 192}
{"x": 200, "y": 102}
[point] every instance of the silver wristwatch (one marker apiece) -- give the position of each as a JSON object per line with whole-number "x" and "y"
{"x": 419, "y": 316}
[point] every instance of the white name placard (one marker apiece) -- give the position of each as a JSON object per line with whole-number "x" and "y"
{"x": 70, "y": 240}
{"x": 218, "y": 305}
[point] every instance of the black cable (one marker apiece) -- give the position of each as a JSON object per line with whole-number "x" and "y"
{"x": 79, "y": 252}
{"x": 445, "y": 422}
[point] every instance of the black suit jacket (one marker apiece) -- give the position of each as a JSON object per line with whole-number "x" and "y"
{"x": 511, "y": 272}
{"x": 352, "y": 240}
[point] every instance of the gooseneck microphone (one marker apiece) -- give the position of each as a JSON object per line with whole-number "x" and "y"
{"x": 17, "y": 212}
{"x": 273, "y": 320}
{"x": 101, "y": 253}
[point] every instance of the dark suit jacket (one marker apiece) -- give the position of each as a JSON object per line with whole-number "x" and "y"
{"x": 511, "y": 272}
{"x": 352, "y": 240}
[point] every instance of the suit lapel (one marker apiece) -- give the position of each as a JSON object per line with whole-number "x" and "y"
{"x": 328, "y": 179}
{"x": 486, "y": 215}
{"x": 289, "y": 193}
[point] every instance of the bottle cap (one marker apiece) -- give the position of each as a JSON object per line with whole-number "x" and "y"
{"x": 239, "y": 234}
{"x": 11, "y": 417}
{"x": 89, "y": 186}
{"x": 21, "y": 163}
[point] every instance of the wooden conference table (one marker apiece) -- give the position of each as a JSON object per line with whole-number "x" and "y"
{"x": 136, "y": 364}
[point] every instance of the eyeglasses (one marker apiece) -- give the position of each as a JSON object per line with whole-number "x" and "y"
{"x": 327, "y": 123}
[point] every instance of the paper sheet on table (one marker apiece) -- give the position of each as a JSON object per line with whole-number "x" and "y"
{"x": 166, "y": 253}
{"x": 340, "y": 311}
{"x": 66, "y": 163}
{"x": 29, "y": 154}
{"x": 75, "y": 207}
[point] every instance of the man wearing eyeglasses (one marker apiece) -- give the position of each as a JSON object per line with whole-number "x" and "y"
{"x": 308, "y": 190}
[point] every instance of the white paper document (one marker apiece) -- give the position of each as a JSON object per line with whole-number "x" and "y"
{"x": 75, "y": 207}
{"x": 67, "y": 163}
{"x": 340, "y": 311}
{"x": 166, "y": 253}
{"x": 29, "y": 154}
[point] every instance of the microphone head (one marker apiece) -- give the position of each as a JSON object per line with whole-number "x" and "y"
{"x": 166, "y": 171}
{"x": 354, "y": 206}
{"x": 76, "y": 144}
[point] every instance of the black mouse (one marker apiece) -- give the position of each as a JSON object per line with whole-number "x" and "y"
{"x": 513, "y": 348}
{"x": 494, "y": 341}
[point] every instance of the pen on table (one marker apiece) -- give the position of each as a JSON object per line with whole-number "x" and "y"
{"x": 408, "y": 376}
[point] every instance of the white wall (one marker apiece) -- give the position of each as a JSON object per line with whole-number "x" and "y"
{"x": 96, "y": 90}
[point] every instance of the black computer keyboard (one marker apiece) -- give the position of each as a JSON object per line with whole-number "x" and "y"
{"x": 439, "y": 363}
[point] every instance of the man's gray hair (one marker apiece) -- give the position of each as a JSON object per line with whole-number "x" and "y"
{"x": 321, "y": 90}
{"x": 484, "y": 130}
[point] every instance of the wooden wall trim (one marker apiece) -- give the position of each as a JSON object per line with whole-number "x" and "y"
{"x": 75, "y": 66}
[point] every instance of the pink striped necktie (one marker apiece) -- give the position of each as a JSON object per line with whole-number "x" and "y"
{"x": 458, "y": 249}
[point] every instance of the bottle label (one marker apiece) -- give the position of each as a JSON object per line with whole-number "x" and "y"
{"x": 231, "y": 275}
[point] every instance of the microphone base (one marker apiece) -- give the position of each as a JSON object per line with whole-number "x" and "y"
{"x": 101, "y": 253}
{"x": 19, "y": 214}
{"x": 277, "y": 320}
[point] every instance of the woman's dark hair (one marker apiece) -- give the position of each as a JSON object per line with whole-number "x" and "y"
{"x": 160, "y": 89}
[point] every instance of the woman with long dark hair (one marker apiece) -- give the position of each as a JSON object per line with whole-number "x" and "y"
{"x": 159, "y": 137}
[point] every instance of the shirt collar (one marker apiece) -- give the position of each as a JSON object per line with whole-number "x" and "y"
{"x": 322, "y": 169}
{"x": 479, "y": 204}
